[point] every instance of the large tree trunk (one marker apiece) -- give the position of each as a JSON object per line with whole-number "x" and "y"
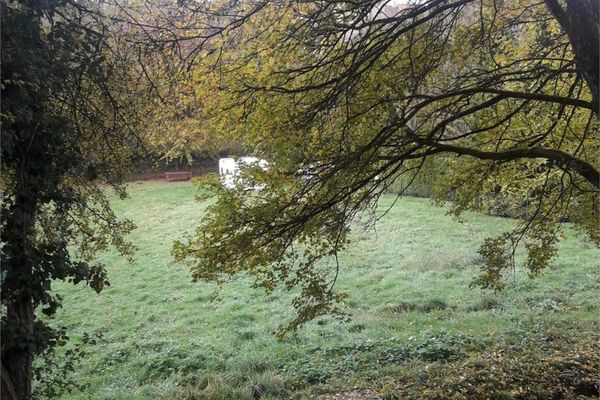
{"x": 18, "y": 348}
{"x": 17, "y": 360}
{"x": 580, "y": 21}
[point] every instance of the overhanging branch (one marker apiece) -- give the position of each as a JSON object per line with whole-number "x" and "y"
{"x": 564, "y": 159}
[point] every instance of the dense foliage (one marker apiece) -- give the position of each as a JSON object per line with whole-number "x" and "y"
{"x": 490, "y": 102}
{"x": 65, "y": 133}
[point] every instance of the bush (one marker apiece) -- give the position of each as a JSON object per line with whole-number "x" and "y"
{"x": 401, "y": 185}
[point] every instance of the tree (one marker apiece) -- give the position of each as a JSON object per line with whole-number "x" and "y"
{"x": 173, "y": 131}
{"x": 491, "y": 100}
{"x": 66, "y": 134}
{"x": 170, "y": 129}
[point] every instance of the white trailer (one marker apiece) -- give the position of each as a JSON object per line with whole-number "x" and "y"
{"x": 229, "y": 169}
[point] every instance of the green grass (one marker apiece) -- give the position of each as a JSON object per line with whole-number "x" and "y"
{"x": 165, "y": 337}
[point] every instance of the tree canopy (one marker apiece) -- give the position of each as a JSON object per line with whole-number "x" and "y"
{"x": 489, "y": 101}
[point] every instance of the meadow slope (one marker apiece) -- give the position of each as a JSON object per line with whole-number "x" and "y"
{"x": 163, "y": 336}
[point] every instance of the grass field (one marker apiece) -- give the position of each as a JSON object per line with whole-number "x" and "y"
{"x": 164, "y": 336}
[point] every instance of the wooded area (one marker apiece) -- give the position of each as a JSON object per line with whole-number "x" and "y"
{"x": 490, "y": 104}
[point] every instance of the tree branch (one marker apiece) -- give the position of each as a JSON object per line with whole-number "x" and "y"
{"x": 566, "y": 160}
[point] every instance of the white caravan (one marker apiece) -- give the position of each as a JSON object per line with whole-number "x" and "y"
{"x": 229, "y": 169}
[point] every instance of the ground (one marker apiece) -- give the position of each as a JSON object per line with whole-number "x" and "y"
{"x": 164, "y": 337}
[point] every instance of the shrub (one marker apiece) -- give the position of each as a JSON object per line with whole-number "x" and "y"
{"x": 418, "y": 188}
